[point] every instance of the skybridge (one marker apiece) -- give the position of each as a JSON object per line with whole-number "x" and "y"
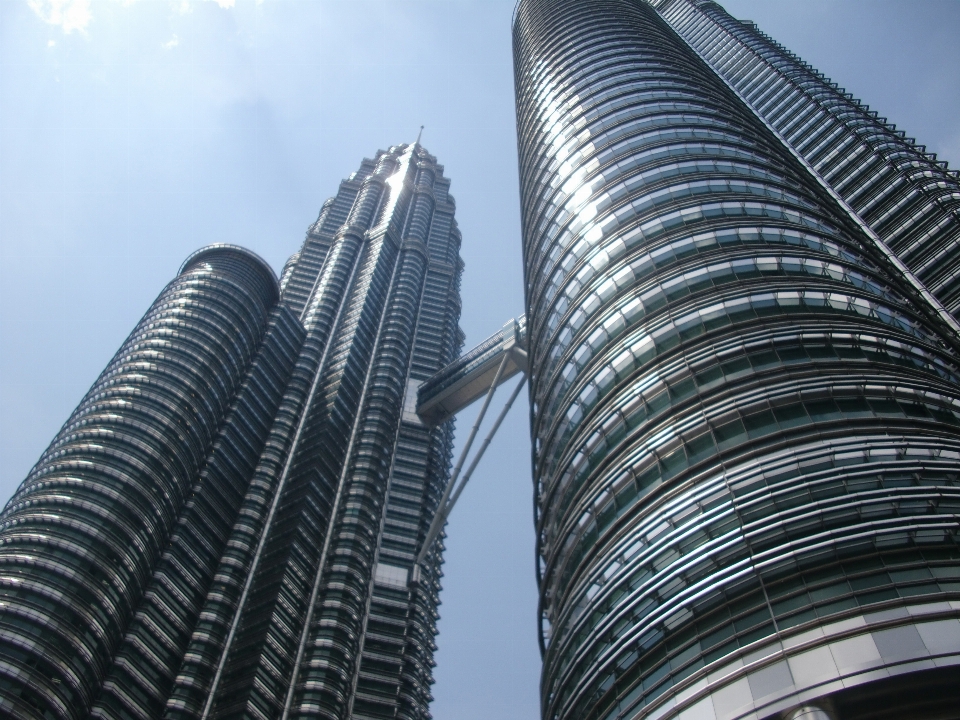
{"x": 475, "y": 374}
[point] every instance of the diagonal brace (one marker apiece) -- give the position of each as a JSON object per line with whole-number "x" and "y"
{"x": 454, "y": 489}
{"x": 483, "y": 447}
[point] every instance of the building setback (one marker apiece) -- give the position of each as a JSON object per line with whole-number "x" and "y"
{"x": 745, "y": 402}
{"x": 225, "y": 525}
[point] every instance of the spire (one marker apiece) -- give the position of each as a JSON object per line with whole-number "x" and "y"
{"x": 419, "y": 135}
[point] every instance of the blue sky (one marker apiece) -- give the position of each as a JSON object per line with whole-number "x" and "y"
{"x": 133, "y": 132}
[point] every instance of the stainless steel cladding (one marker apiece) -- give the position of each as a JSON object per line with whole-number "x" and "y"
{"x": 83, "y": 534}
{"x": 745, "y": 410}
{"x": 224, "y": 526}
{"x": 908, "y": 197}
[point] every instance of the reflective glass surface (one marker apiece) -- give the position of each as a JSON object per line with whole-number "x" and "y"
{"x": 741, "y": 414}
{"x": 225, "y": 525}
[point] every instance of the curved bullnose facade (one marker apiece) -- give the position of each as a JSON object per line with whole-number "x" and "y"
{"x": 909, "y": 198}
{"x": 83, "y": 534}
{"x": 225, "y": 526}
{"x": 746, "y": 418}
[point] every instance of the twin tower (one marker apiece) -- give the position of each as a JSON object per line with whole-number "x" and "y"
{"x": 741, "y": 288}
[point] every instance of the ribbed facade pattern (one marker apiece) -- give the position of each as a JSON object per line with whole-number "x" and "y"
{"x": 84, "y": 533}
{"x": 903, "y": 192}
{"x": 223, "y": 527}
{"x": 746, "y": 423}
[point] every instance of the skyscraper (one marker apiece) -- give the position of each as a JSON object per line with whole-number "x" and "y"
{"x": 744, "y": 377}
{"x": 905, "y": 195}
{"x": 225, "y": 525}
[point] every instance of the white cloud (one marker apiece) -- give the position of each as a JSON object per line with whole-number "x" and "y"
{"x": 185, "y": 6}
{"x": 171, "y": 43}
{"x": 51, "y": 43}
{"x": 69, "y": 14}
{"x": 76, "y": 14}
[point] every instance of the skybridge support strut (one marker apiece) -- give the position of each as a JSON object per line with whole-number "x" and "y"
{"x": 512, "y": 357}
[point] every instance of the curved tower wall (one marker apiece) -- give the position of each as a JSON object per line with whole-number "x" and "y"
{"x": 906, "y": 195}
{"x": 745, "y": 423}
{"x": 157, "y": 642}
{"x": 84, "y": 532}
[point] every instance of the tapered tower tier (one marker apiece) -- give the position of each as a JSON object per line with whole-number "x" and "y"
{"x": 225, "y": 526}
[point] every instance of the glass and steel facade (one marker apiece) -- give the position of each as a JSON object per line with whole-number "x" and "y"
{"x": 224, "y": 526}
{"x": 745, "y": 403}
{"x": 908, "y": 197}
